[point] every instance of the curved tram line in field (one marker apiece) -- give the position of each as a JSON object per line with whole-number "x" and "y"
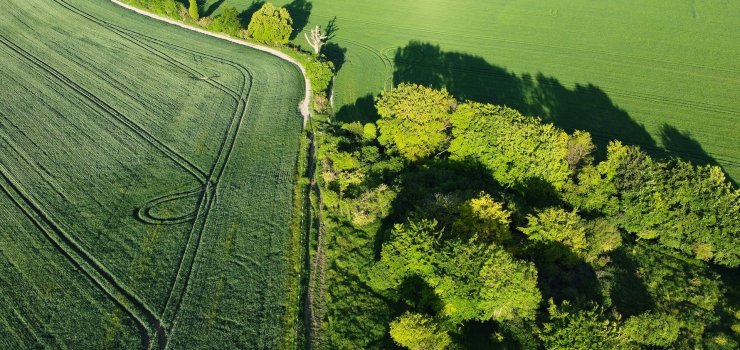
{"x": 146, "y": 319}
{"x": 150, "y": 323}
{"x": 147, "y": 215}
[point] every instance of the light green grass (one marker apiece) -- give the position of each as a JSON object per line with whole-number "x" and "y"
{"x": 146, "y": 178}
{"x": 665, "y": 73}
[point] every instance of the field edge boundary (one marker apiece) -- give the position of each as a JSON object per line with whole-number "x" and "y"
{"x": 303, "y": 106}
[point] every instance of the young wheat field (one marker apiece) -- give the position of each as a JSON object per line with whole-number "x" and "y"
{"x": 146, "y": 182}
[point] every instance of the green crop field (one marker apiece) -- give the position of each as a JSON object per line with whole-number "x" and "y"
{"x": 664, "y": 74}
{"x": 146, "y": 183}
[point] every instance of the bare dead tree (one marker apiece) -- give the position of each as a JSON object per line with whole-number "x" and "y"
{"x": 316, "y": 40}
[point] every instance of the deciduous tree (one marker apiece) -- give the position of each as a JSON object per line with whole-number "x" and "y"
{"x": 652, "y": 329}
{"x": 317, "y": 39}
{"x": 193, "y": 10}
{"x": 419, "y": 332}
{"x": 570, "y": 328}
{"x": 521, "y": 152}
{"x": 485, "y": 219}
{"x": 270, "y": 25}
{"x": 414, "y": 120}
{"x": 227, "y": 22}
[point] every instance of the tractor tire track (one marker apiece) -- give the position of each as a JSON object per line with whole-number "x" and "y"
{"x": 145, "y": 212}
{"x": 520, "y": 45}
{"x": 149, "y": 325}
{"x": 209, "y": 192}
{"x": 100, "y": 104}
{"x": 156, "y": 323}
{"x": 29, "y": 327}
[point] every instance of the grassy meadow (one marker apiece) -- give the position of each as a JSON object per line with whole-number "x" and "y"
{"x": 146, "y": 177}
{"x": 662, "y": 74}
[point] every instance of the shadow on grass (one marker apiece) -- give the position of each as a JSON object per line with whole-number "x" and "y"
{"x": 246, "y": 15}
{"x": 300, "y": 11}
{"x": 336, "y": 54}
{"x": 468, "y": 77}
{"x": 331, "y": 50}
{"x": 212, "y": 8}
{"x": 363, "y": 110}
{"x": 581, "y": 107}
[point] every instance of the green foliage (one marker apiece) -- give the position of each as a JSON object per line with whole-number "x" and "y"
{"x": 356, "y": 316}
{"x": 520, "y": 152}
{"x": 371, "y": 205}
{"x": 319, "y": 72}
{"x": 227, "y": 22}
{"x": 691, "y": 209}
{"x": 572, "y": 329}
{"x": 460, "y": 268}
{"x": 557, "y": 225}
{"x": 161, "y": 7}
{"x": 580, "y": 149}
{"x": 680, "y": 287}
{"x": 355, "y": 129}
{"x": 602, "y": 237}
{"x": 585, "y": 240}
{"x": 652, "y": 329}
{"x": 473, "y": 281}
{"x": 193, "y": 10}
{"x": 270, "y": 25}
{"x": 414, "y": 120}
{"x": 483, "y": 218}
{"x": 419, "y": 332}
{"x": 369, "y": 132}
{"x": 409, "y": 252}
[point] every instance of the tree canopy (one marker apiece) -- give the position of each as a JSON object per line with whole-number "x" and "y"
{"x": 270, "y": 25}
{"x": 193, "y": 10}
{"x": 414, "y": 120}
{"x": 227, "y": 22}
{"x": 419, "y": 332}
{"x": 462, "y": 217}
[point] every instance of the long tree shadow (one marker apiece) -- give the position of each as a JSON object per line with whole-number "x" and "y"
{"x": 212, "y": 8}
{"x": 681, "y": 144}
{"x": 684, "y": 144}
{"x": 583, "y": 107}
{"x": 331, "y": 50}
{"x": 363, "y": 110}
{"x": 335, "y": 53}
{"x": 246, "y": 15}
{"x": 468, "y": 77}
{"x": 300, "y": 11}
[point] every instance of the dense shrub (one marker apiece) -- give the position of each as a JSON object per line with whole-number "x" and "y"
{"x": 227, "y": 22}
{"x": 193, "y": 10}
{"x": 414, "y": 120}
{"x": 161, "y": 7}
{"x": 270, "y": 25}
